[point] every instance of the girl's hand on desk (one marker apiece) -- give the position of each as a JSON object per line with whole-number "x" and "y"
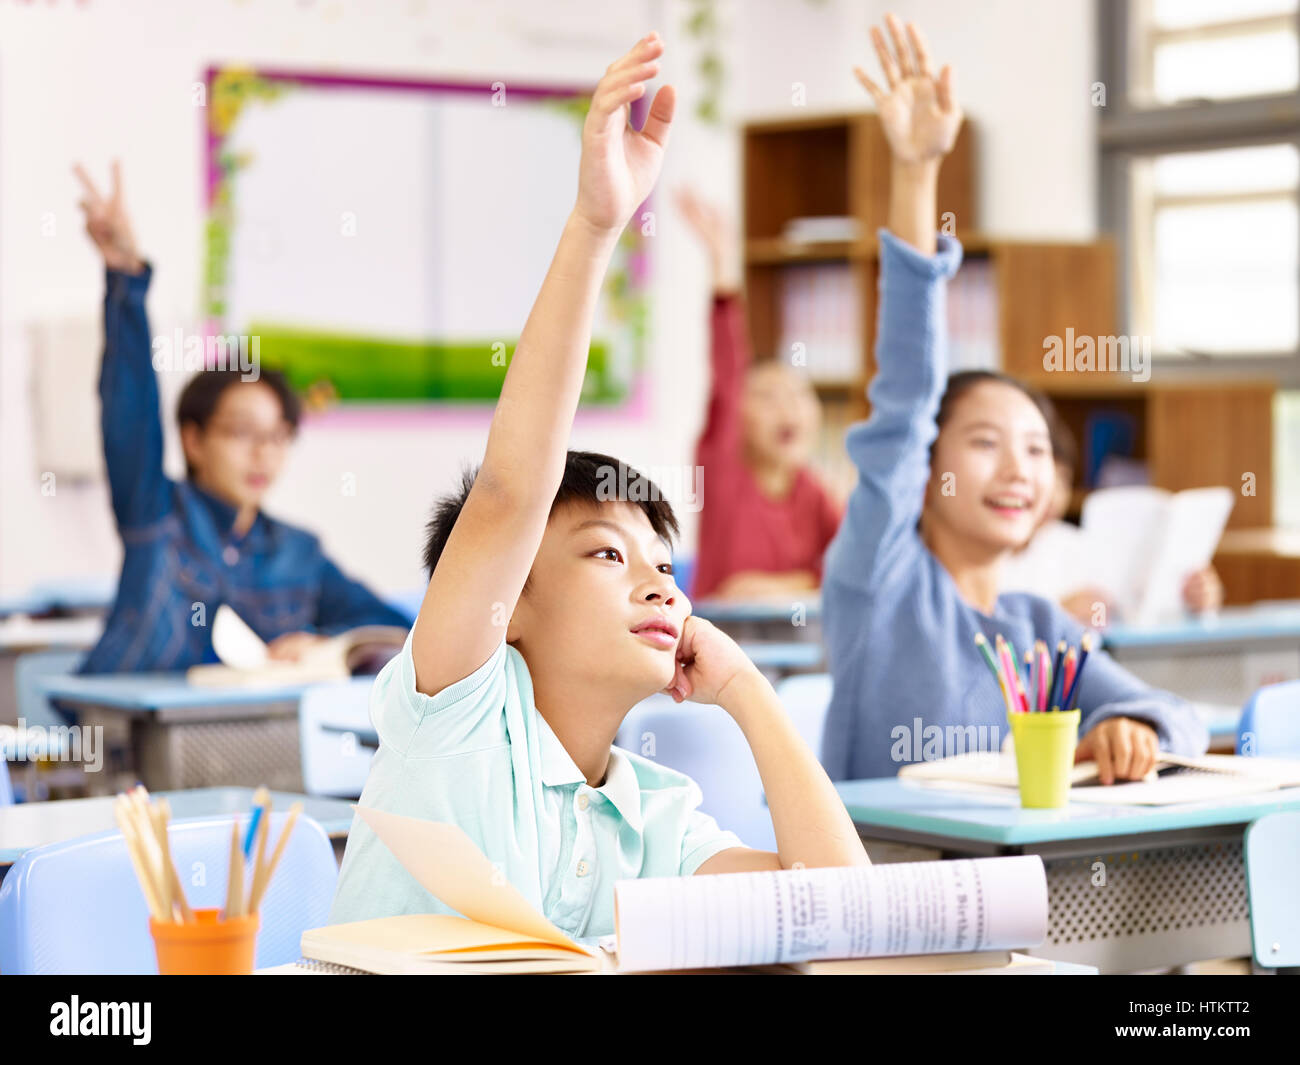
{"x": 293, "y": 645}
{"x": 620, "y": 165}
{"x": 1122, "y": 747}
{"x": 919, "y": 116}
{"x": 1203, "y": 591}
{"x": 707, "y": 661}
{"x": 108, "y": 224}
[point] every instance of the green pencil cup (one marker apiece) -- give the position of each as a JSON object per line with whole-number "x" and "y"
{"x": 1045, "y": 745}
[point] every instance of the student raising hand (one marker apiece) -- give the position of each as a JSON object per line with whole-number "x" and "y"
{"x": 918, "y": 113}
{"x": 619, "y": 164}
{"x": 107, "y": 222}
{"x": 920, "y": 118}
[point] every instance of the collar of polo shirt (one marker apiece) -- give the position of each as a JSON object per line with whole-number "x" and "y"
{"x": 621, "y": 786}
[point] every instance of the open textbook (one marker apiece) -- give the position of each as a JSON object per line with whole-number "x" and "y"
{"x": 958, "y": 916}
{"x": 1142, "y": 542}
{"x": 246, "y": 660}
{"x": 1175, "y": 778}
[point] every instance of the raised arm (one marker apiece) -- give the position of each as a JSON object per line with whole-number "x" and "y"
{"x": 482, "y": 570}
{"x": 891, "y": 449}
{"x": 729, "y": 347}
{"x": 128, "y": 388}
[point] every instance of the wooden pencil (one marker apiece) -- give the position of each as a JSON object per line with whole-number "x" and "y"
{"x": 259, "y": 888}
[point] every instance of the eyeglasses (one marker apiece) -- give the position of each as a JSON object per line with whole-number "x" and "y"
{"x": 249, "y": 436}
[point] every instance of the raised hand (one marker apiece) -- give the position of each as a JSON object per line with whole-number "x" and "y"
{"x": 918, "y": 113}
{"x": 619, "y": 164}
{"x": 107, "y": 222}
{"x": 715, "y": 231}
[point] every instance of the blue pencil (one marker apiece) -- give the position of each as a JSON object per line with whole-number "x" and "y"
{"x": 1058, "y": 677}
{"x": 1085, "y": 645}
{"x": 259, "y": 806}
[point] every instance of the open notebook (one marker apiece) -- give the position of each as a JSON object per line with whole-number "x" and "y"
{"x": 246, "y": 660}
{"x": 907, "y": 918}
{"x": 1175, "y": 778}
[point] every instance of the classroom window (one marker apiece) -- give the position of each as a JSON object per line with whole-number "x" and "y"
{"x": 1187, "y": 50}
{"x": 1199, "y": 136}
{"x": 1214, "y": 251}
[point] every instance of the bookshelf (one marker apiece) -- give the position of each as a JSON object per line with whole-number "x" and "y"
{"x": 1008, "y": 298}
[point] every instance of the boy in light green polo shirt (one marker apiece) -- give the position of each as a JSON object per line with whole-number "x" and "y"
{"x": 551, "y": 611}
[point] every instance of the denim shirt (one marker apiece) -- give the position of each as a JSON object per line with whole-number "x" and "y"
{"x": 182, "y": 558}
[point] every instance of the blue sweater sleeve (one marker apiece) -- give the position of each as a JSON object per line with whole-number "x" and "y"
{"x": 129, "y": 416}
{"x": 891, "y": 449}
{"x": 346, "y": 604}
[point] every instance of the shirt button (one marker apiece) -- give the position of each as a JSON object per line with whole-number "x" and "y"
{"x": 583, "y": 869}
{"x": 230, "y": 554}
{"x": 583, "y": 802}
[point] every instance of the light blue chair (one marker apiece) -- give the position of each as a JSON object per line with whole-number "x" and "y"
{"x": 337, "y": 740}
{"x": 76, "y": 906}
{"x": 806, "y": 699}
{"x": 33, "y": 706}
{"x": 6, "y": 788}
{"x": 706, "y": 744}
{"x": 1272, "y": 853}
{"x": 1270, "y": 723}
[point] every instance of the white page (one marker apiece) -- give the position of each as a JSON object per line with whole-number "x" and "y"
{"x": 235, "y": 643}
{"x": 1193, "y": 526}
{"x": 1122, "y": 527}
{"x": 801, "y": 914}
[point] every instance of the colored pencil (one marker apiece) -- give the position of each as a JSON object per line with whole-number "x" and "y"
{"x": 1072, "y": 696}
{"x": 1044, "y": 673}
{"x": 260, "y": 797}
{"x": 1058, "y": 668}
{"x": 982, "y": 643}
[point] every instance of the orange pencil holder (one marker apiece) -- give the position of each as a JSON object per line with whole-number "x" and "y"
{"x": 209, "y": 947}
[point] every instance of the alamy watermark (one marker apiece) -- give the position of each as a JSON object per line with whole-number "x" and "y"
{"x": 1114, "y": 354}
{"x": 190, "y": 352}
{"x": 58, "y": 743}
{"x": 683, "y": 486}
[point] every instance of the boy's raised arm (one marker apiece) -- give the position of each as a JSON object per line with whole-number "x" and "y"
{"x": 482, "y": 570}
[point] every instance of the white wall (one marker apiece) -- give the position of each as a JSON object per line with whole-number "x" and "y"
{"x": 87, "y": 82}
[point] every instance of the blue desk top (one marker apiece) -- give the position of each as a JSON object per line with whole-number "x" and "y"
{"x": 985, "y": 817}
{"x": 146, "y": 692}
{"x": 773, "y": 655}
{"x": 779, "y": 610}
{"x": 34, "y": 824}
{"x": 87, "y": 593}
{"x": 1262, "y": 621}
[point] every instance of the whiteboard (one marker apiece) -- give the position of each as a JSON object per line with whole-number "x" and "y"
{"x": 424, "y": 216}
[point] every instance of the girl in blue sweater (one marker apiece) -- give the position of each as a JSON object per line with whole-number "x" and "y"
{"x": 953, "y": 476}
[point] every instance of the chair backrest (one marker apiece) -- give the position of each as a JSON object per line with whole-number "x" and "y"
{"x": 6, "y": 788}
{"x": 1270, "y": 722}
{"x": 1272, "y": 852}
{"x": 336, "y": 737}
{"x": 806, "y": 699}
{"x": 706, "y": 744}
{"x": 76, "y": 906}
{"x": 33, "y": 707}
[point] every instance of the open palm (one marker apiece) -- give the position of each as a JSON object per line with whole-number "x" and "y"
{"x": 918, "y": 113}
{"x": 619, "y": 164}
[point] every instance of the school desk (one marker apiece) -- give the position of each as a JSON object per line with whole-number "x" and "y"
{"x": 1220, "y": 658}
{"x": 781, "y": 658}
{"x": 794, "y": 617}
{"x": 34, "y": 824}
{"x": 183, "y": 736}
{"x": 1129, "y": 887}
{"x": 85, "y": 595}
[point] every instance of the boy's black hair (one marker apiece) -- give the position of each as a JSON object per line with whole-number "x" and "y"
{"x": 203, "y": 391}
{"x": 589, "y": 477}
{"x": 1063, "y": 446}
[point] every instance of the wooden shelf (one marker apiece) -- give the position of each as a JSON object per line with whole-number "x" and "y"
{"x": 1188, "y": 433}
